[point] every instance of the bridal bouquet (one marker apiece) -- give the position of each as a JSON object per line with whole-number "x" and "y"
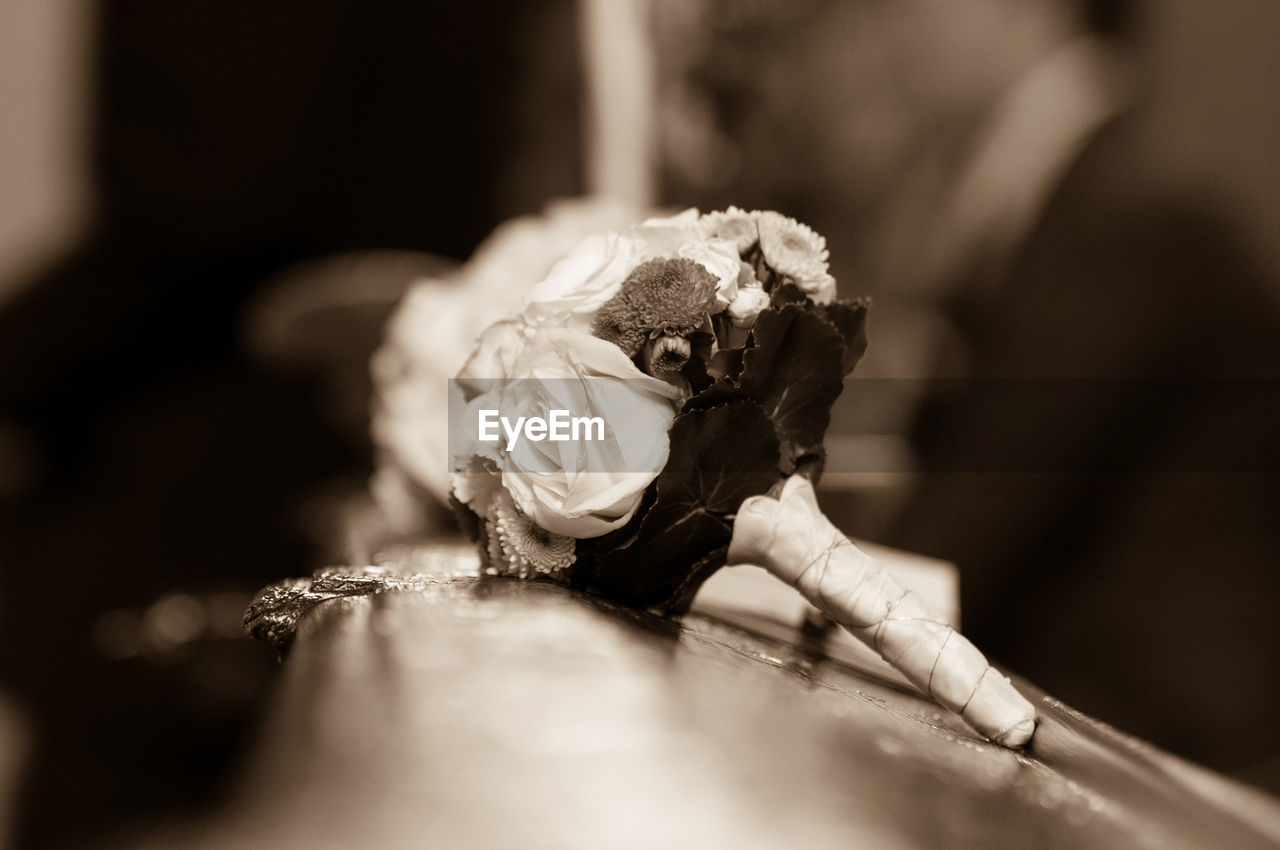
{"x": 655, "y": 410}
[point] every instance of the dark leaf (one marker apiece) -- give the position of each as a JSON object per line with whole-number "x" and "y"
{"x": 589, "y": 547}
{"x": 786, "y": 294}
{"x": 725, "y": 363}
{"x": 719, "y": 457}
{"x": 703, "y": 351}
{"x": 793, "y": 370}
{"x": 850, "y": 319}
{"x": 679, "y": 601}
{"x": 723, "y": 391}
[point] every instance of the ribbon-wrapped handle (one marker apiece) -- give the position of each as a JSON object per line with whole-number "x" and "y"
{"x": 791, "y": 538}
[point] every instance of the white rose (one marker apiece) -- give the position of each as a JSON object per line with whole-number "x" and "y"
{"x": 426, "y": 340}
{"x": 576, "y": 287}
{"x": 749, "y": 303}
{"x": 720, "y": 258}
{"x": 435, "y": 328}
{"x": 581, "y": 488}
{"x": 663, "y": 237}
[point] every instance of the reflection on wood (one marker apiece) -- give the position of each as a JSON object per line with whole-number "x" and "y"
{"x": 475, "y": 712}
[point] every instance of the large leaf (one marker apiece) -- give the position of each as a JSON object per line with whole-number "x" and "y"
{"x": 794, "y": 371}
{"x": 719, "y": 457}
{"x": 850, "y": 319}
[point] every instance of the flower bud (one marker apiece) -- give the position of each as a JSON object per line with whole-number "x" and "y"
{"x": 667, "y": 353}
{"x": 749, "y": 302}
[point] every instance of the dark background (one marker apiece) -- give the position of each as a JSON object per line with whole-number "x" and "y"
{"x": 228, "y": 140}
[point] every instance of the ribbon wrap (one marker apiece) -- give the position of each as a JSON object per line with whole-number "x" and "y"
{"x": 791, "y": 538}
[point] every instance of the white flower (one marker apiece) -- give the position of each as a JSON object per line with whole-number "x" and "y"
{"x": 576, "y": 287}
{"x": 427, "y": 339}
{"x": 682, "y": 226}
{"x": 735, "y": 225}
{"x": 719, "y": 257}
{"x": 749, "y": 303}
{"x": 684, "y": 236}
{"x": 791, "y": 248}
{"x": 822, "y": 289}
{"x": 434, "y": 330}
{"x": 579, "y": 488}
{"x": 520, "y": 547}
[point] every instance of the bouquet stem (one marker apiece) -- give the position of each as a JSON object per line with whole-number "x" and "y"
{"x": 791, "y": 538}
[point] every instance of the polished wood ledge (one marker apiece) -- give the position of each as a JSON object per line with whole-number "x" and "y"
{"x": 459, "y": 711}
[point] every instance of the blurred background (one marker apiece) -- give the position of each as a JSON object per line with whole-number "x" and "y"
{"x": 207, "y": 211}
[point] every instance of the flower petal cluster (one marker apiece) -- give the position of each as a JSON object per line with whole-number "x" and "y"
{"x": 579, "y": 285}
{"x": 434, "y": 331}
{"x": 579, "y": 488}
{"x": 659, "y": 296}
{"x": 791, "y": 248}
{"x": 750, "y": 302}
{"x": 519, "y": 547}
{"x": 735, "y": 225}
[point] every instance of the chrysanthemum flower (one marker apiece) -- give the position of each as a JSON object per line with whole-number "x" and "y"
{"x": 734, "y": 225}
{"x": 791, "y": 248}
{"x": 671, "y": 296}
{"x": 520, "y": 547}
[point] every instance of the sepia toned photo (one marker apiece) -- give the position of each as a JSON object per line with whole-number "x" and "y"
{"x": 639, "y": 424}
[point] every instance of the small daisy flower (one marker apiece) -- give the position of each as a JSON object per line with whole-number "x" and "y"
{"x": 734, "y": 225}
{"x": 791, "y": 248}
{"x": 520, "y": 547}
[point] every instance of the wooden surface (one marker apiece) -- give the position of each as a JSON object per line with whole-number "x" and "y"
{"x": 474, "y": 712}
